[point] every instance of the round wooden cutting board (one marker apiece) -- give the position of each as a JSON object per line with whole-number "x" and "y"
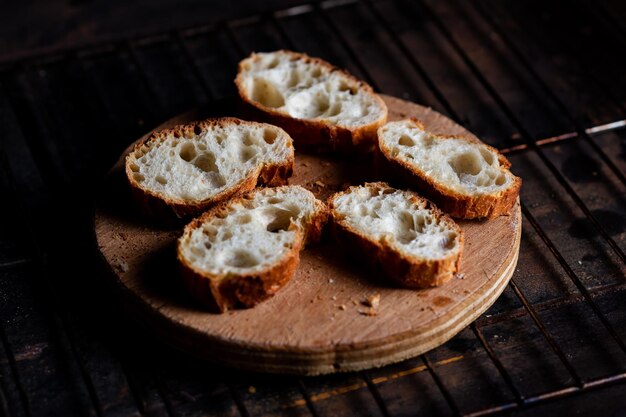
{"x": 318, "y": 323}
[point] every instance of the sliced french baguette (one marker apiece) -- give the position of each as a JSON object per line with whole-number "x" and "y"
{"x": 244, "y": 250}
{"x": 319, "y": 105}
{"x": 464, "y": 177}
{"x": 186, "y": 169}
{"x": 400, "y": 233}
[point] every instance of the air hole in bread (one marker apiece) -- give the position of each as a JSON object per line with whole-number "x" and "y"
{"x": 206, "y": 162}
{"x": 465, "y": 163}
{"x": 500, "y": 180}
{"x": 322, "y": 103}
{"x": 226, "y": 235}
{"x": 487, "y": 156}
{"x": 187, "y": 152}
{"x": 197, "y": 129}
{"x": 308, "y": 104}
{"x": 201, "y": 146}
{"x": 138, "y": 177}
{"x": 248, "y": 139}
{"x": 408, "y": 227}
{"x": 161, "y": 180}
{"x": 275, "y": 200}
{"x": 294, "y": 79}
{"x": 269, "y": 136}
{"x": 449, "y": 241}
{"x": 267, "y": 94}
{"x": 273, "y": 64}
{"x": 405, "y": 140}
{"x": 419, "y": 221}
{"x": 334, "y": 110}
{"x": 406, "y": 236}
{"x": 216, "y": 180}
{"x": 280, "y": 218}
{"x": 317, "y": 72}
{"x": 247, "y": 154}
{"x": 210, "y": 232}
{"x": 197, "y": 252}
{"x": 245, "y": 219}
{"x": 344, "y": 86}
{"x": 134, "y": 167}
{"x": 241, "y": 259}
{"x": 208, "y": 245}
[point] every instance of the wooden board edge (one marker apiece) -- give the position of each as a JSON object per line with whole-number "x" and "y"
{"x": 197, "y": 344}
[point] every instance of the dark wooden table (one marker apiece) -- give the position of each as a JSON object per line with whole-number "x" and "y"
{"x": 543, "y": 81}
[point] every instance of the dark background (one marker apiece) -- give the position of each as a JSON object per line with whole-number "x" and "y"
{"x": 542, "y": 81}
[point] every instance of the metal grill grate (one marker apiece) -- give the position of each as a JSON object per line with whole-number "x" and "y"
{"x": 121, "y": 89}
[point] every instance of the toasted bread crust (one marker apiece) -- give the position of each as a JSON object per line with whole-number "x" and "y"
{"x": 223, "y": 292}
{"x": 165, "y": 209}
{"x": 452, "y": 202}
{"x": 408, "y": 271}
{"x": 310, "y": 133}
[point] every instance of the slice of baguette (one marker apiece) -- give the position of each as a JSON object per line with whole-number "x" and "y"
{"x": 464, "y": 177}
{"x": 319, "y": 105}
{"x": 185, "y": 169}
{"x": 400, "y": 233}
{"x": 244, "y": 250}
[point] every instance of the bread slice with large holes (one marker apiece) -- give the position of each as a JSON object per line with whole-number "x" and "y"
{"x": 399, "y": 233}
{"x": 319, "y": 105}
{"x": 185, "y": 169}
{"x": 464, "y": 177}
{"x": 244, "y": 250}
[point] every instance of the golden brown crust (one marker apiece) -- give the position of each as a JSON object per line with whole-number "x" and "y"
{"x": 165, "y": 209}
{"x": 311, "y": 133}
{"x": 223, "y": 292}
{"x": 450, "y": 201}
{"x": 408, "y": 271}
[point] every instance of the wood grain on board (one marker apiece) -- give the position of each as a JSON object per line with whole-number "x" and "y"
{"x": 318, "y": 323}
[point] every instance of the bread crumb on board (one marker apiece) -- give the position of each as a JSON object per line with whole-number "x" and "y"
{"x": 122, "y": 265}
{"x": 372, "y": 301}
{"x": 342, "y": 307}
{"x": 369, "y": 312}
